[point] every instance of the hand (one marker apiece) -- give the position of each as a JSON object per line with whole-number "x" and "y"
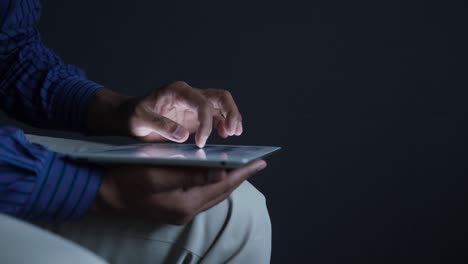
{"x": 172, "y": 195}
{"x": 170, "y": 113}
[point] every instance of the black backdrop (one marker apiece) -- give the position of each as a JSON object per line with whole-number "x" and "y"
{"x": 367, "y": 100}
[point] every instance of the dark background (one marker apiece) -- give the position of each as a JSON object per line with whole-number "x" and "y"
{"x": 367, "y": 99}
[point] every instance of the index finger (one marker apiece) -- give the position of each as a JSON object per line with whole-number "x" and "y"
{"x": 197, "y": 102}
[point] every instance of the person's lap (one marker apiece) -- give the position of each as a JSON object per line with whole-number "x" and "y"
{"x": 238, "y": 230}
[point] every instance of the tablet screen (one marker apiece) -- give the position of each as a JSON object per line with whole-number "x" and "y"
{"x": 180, "y": 154}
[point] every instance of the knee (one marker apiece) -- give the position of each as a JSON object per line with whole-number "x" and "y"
{"x": 249, "y": 208}
{"x": 246, "y": 235}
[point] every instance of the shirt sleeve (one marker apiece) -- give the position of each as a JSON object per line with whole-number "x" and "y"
{"x": 36, "y": 183}
{"x": 36, "y": 86}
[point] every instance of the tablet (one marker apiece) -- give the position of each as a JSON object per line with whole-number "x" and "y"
{"x": 174, "y": 154}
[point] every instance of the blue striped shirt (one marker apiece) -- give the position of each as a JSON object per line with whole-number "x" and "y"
{"x": 38, "y": 88}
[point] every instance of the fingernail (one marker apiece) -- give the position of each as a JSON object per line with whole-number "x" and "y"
{"x": 204, "y": 139}
{"x": 233, "y": 127}
{"x": 179, "y": 133}
{"x": 240, "y": 129}
{"x": 201, "y": 143}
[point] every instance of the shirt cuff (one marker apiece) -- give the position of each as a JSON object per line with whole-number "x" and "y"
{"x": 64, "y": 190}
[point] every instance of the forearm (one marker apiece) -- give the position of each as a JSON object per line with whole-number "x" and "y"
{"x": 36, "y": 86}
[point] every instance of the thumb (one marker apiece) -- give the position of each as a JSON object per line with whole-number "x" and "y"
{"x": 149, "y": 123}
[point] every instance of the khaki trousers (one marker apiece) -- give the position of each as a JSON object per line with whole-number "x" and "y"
{"x": 238, "y": 230}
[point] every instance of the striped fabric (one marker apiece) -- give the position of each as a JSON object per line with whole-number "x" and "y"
{"x": 38, "y": 88}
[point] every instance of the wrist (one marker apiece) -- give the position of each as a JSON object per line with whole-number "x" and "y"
{"x": 106, "y": 113}
{"x": 108, "y": 198}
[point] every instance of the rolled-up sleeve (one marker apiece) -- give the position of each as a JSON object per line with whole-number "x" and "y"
{"x": 36, "y": 86}
{"x": 36, "y": 183}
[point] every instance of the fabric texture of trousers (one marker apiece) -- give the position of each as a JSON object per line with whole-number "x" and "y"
{"x": 21, "y": 242}
{"x": 238, "y": 230}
